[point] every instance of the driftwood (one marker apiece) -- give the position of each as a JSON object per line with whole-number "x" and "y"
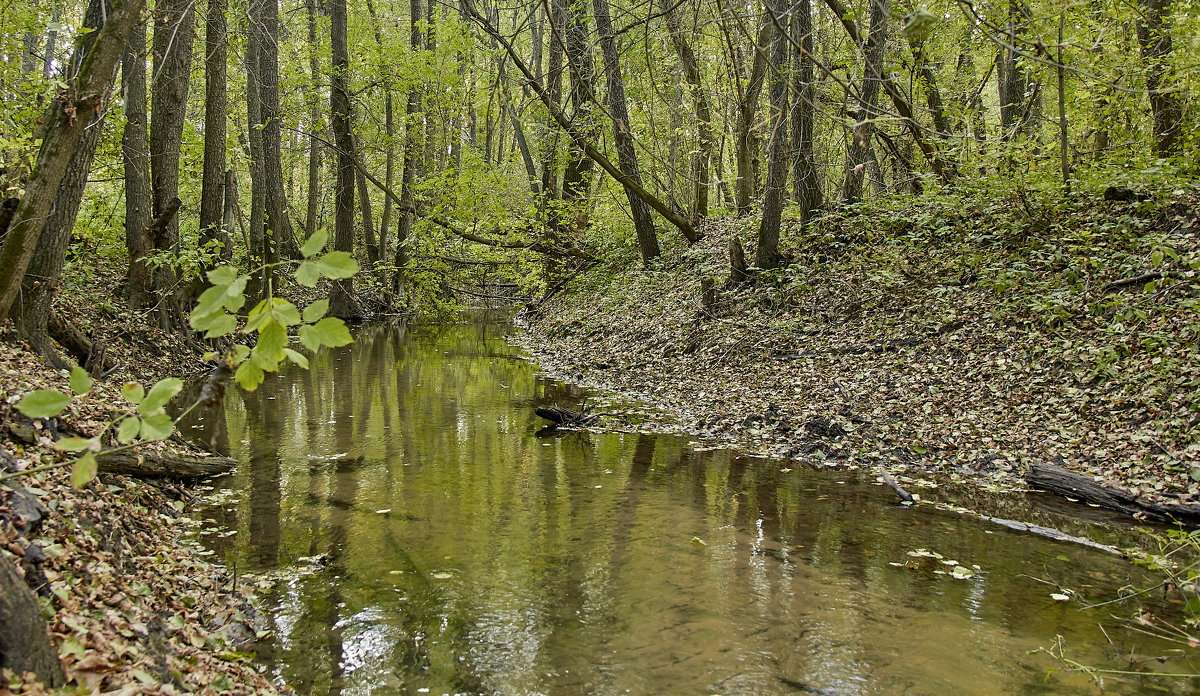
{"x": 565, "y": 416}
{"x": 1057, "y": 480}
{"x": 164, "y": 464}
{"x": 891, "y": 482}
{"x": 24, "y": 643}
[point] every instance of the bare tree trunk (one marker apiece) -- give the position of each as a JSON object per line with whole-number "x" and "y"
{"x": 643, "y": 225}
{"x": 314, "y": 117}
{"x": 135, "y": 152}
{"x": 276, "y": 213}
{"x": 24, "y": 641}
{"x": 766, "y": 255}
{"x": 1166, "y": 107}
{"x": 212, "y": 189}
{"x": 702, "y": 159}
{"x": 577, "y": 177}
{"x": 858, "y": 154}
{"x": 412, "y": 141}
{"x": 64, "y": 124}
{"x": 341, "y": 300}
{"x": 174, "y": 32}
{"x": 747, "y": 108}
{"x": 804, "y": 165}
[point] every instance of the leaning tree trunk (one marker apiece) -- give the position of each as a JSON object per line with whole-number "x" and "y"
{"x": 766, "y": 255}
{"x": 63, "y": 126}
{"x": 32, "y": 310}
{"x": 341, "y": 300}
{"x": 1166, "y": 108}
{"x": 174, "y": 31}
{"x": 643, "y": 224}
{"x": 859, "y": 152}
{"x": 212, "y": 187}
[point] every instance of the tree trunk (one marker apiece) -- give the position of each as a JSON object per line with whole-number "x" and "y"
{"x": 314, "y": 118}
{"x": 174, "y": 31}
{"x": 24, "y": 641}
{"x": 341, "y": 301}
{"x": 858, "y": 153}
{"x": 1166, "y": 107}
{"x": 643, "y": 225}
{"x": 747, "y": 108}
{"x": 702, "y": 159}
{"x": 277, "y": 221}
{"x": 412, "y": 141}
{"x": 32, "y": 310}
{"x": 766, "y": 254}
{"x": 577, "y": 175}
{"x": 261, "y": 251}
{"x": 212, "y": 188}
{"x": 135, "y": 152}
{"x": 804, "y": 166}
{"x": 63, "y": 125}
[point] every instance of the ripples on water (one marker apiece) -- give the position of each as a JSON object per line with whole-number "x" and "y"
{"x": 434, "y": 544}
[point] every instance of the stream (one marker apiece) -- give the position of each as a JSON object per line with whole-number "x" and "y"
{"x": 424, "y": 538}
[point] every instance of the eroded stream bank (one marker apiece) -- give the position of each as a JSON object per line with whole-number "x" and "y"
{"x": 428, "y": 540}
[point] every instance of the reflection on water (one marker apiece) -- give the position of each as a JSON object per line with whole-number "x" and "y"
{"x": 438, "y": 546}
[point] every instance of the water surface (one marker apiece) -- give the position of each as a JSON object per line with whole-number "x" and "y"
{"x": 430, "y": 541}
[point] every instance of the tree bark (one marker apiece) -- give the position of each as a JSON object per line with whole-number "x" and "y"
{"x": 212, "y": 187}
{"x": 766, "y": 254}
{"x": 277, "y": 221}
{"x": 135, "y": 152}
{"x": 1166, "y": 108}
{"x": 859, "y": 151}
{"x": 63, "y": 125}
{"x": 24, "y": 641}
{"x": 341, "y": 301}
{"x": 807, "y": 181}
{"x": 32, "y": 310}
{"x": 174, "y": 32}
{"x": 643, "y": 224}
{"x": 314, "y": 117}
{"x": 746, "y": 149}
{"x": 702, "y": 158}
{"x": 408, "y": 176}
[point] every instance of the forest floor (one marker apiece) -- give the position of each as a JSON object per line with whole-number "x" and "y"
{"x": 133, "y": 605}
{"x": 944, "y": 335}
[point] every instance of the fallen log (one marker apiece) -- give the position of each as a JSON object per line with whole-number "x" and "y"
{"x": 1057, "y": 480}
{"x": 164, "y": 464}
{"x": 565, "y": 416}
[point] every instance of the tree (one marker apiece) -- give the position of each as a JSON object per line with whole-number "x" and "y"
{"x": 212, "y": 191}
{"x": 767, "y": 253}
{"x": 341, "y": 300}
{"x": 64, "y": 123}
{"x": 804, "y": 167}
{"x": 859, "y": 150}
{"x": 135, "y": 151}
{"x": 702, "y": 158}
{"x": 1166, "y": 108}
{"x": 643, "y": 225}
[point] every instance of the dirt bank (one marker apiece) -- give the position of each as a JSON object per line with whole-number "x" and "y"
{"x": 951, "y": 339}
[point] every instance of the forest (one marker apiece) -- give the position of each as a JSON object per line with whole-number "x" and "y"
{"x": 954, "y": 242}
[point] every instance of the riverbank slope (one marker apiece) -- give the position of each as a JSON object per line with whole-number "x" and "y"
{"x": 974, "y": 336}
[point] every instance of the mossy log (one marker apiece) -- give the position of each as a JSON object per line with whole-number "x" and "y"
{"x": 164, "y": 464}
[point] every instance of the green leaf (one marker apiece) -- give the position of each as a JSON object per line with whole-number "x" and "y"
{"x": 157, "y": 427}
{"x": 249, "y": 375}
{"x": 81, "y": 381}
{"x": 133, "y": 392}
{"x": 73, "y": 444}
{"x": 297, "y": 358}
{"x": 43, "y": 403}
{"x": 330, "y": 331}
{"x": 159, "y": 395}
{"x": 315, "y": 311}
{"x": 920, "y": 25}
{"x": 335, "y": 264}
{"x": 216, "y": 325}
{"x": 239, "y": 352}
{"x": 286, "y": 313}
{"x": 128, "y": 430}
{"x": 84, "y": 470}
{"x": 314, "y": 244}
{"x": 256, "y": 317}
{"x": 269, "y": 350}
{"x": 222, "y": 275}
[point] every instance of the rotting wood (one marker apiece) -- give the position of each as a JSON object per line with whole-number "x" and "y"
{"x": 565, "y": 416}
{"x": 887, "y": 478}
{"x": 1054, "y": 534}
{"x": 1057, "y": 480}
{"x": 164, "y": 464}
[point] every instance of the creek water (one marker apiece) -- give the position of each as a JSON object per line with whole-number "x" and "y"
{"x": 425, "y": 538}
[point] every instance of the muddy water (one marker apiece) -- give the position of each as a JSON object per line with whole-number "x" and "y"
{"x": 429, "y": 541}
